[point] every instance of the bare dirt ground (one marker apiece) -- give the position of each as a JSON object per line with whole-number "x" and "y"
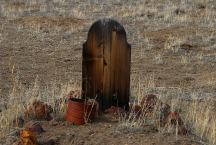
{"x": 107, "y": 132}
{"x": 173, "y": 55}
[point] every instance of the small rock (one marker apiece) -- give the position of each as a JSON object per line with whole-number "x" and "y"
{"x": 34, "y": 127}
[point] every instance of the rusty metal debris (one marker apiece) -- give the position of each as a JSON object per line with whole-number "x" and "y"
{"x": 174, "y": 119}
{"x": 80, "y": 111}
{"x": 114, "y": 111}
{"x": 39, "y": 110}
{"x": 149, "y": 101}
{"x": 28, "y": 138}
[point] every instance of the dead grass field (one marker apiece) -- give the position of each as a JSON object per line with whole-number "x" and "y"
{"x": 173, "y": 55}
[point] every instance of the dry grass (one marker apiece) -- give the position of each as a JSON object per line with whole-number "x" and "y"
{"x": 21, "y": 98}
{"x": 197, "y": 111}
{"x": 198, "y": 114}
{"x": 45, "y": 23}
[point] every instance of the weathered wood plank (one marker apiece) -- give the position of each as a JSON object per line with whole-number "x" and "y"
{"x": 106, "y": 65}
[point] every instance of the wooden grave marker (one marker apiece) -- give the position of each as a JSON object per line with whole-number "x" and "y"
{"x": 106, "y": 65}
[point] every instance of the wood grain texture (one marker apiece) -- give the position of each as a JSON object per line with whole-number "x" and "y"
{"x": 106, "y": 65}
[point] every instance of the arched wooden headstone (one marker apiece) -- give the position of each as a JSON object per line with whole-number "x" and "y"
{"x": 106, "y": 65}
